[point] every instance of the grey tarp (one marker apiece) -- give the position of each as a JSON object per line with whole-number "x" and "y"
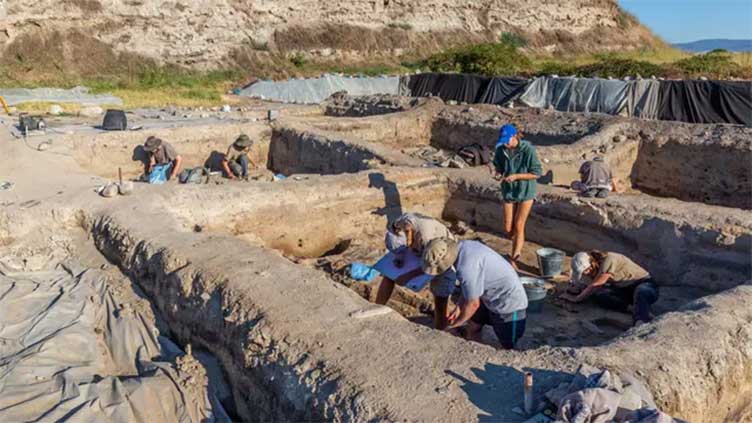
{"x": 316, "y": 90}
{"x": 81, "y": 95}
{"x": 577, "y": 95}
{"x": 642, "y": 100}
{"x": 70, "y": 352}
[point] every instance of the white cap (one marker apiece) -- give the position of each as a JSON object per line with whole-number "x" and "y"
{"x": 580, "y": 264}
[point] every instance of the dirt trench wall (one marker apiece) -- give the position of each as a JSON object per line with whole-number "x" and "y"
{"x": 679, "y": 243}
{"x": 697, "y": 361}
{"x": 103, "y": 153}
{"x": 711, "y": 164}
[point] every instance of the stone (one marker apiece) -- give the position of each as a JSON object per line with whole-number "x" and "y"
{"x": 125, "y": 188}
{"x": 91, "y": 111}
{"x": 226, "y": 108}
{"x": 109, "y": 191}
{"x": 55, "y": 110}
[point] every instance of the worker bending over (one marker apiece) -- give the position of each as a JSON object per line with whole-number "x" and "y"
{"x": 596, "y": 179}
{"x": 492, "y": 293}
{"x": 163, "y": 154}
{"x": 409, "y": 234}
{"x": 615, "y": 282}
{"x": 236, "y": 161}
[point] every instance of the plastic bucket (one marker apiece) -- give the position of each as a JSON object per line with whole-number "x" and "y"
{"x": 550, "y": 262}
{"x": 536, "y": 293}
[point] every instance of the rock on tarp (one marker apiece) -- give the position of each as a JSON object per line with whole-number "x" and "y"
{"x": 71, "y": 352}
{"x": 81, "y": 95}
{"x": 503, "y": 90}
{"x": 706, "y": 101}
{"x": 316, "y": 90}
{"x": 577, "y": 95}
{"x": 449, "y": 86}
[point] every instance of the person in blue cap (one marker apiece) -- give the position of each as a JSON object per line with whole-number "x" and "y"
{"x": 516, "y": 165}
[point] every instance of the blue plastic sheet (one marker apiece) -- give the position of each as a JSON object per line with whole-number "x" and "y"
{"x": 362, "y": 272}
{"x": 159, "y": 174}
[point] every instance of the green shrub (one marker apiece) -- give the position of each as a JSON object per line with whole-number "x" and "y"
{"x": 619, "y": 68}
{"x": 716, "y": 64}
{"x": 482, "y": 59}
{"x": 298, "y": 60}
{"x": 512, "y": 39}
{"x": 400, "y": 25}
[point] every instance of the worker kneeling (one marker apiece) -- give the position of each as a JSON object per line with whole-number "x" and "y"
{"x": 406, "y": 238}
{"x": 236, "y": 161}
{"x": 492, "y": 293}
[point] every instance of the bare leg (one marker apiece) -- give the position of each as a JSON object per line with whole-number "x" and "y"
{"x": 520, "y": 220}
{"x": 473, "y": 331}
{"x": 440, "y": 305}
{"x": 509, "y": 219}
{"x": 385, "y": 291}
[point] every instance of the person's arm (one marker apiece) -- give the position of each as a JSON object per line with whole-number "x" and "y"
{"x": 176, "y": 166}
{"x": 495, "y": 167}
{"x": 599, "y": 281}
{"x": 152, "y": 162}
{"x": 407, "y": 277}
{"x": 226, "y": 167}
{"x": 467, "y": 310}
{"x": 534, "y": 169}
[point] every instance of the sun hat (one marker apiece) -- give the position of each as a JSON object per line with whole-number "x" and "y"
{"x": 505, "y": 134}
{"x": 439, "y": 256}
{"x": 152, "y": 144}
{"x": 242, "y": 142}
{"x": 580, "y": 264}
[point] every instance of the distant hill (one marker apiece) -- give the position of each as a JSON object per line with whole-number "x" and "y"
{"x": 702, "y": 46}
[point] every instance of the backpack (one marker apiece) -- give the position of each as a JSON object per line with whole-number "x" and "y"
{"x": 193, "y": 176}
{"x": 476, "y": 154}
{"x": 115, "y": 120}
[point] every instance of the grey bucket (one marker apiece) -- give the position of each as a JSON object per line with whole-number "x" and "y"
{"x": 550, "y": 262}
{"x": 536, "y": 292}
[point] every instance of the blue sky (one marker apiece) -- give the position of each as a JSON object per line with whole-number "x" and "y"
{"x": 679, "y": 21}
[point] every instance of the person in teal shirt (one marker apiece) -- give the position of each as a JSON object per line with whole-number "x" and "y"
{"x": 516, "y": 165}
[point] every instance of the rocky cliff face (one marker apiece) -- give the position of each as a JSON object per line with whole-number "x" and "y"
{"x": 208, "y": 34}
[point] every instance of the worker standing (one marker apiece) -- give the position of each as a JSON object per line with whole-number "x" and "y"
{"x": 492, "y": 293}
{"x": 516, "y": 165}
{"x": 410, "y": 234}
{"x": 616, "y": 282}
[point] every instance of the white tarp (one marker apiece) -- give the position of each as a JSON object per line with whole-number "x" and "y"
{"x": 316, "y": 90}
{"x": 69, "y": 351}
{"x": 577, "y": 95}
{"x": 80, "y": 95}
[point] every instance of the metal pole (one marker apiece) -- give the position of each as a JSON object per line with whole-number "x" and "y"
{"x": 528, "y": 388}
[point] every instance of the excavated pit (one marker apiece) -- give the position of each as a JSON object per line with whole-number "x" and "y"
{"x": 255, "y": 272}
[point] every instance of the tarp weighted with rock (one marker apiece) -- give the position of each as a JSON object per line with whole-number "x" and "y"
{"x": 80, "y": 95}
{"x": 706, "y": 101}
{"x": 316, "y": 90}
{"x": 71, "y": 352}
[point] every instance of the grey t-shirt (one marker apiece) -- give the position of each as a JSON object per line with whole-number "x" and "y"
{"x": 165, "y": 154}
{"x": 596, "y": 174}
{"x": 483, "y": 273}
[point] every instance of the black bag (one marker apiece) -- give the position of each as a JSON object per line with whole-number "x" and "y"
{"x": 30, "y": 123}
{"x": 114, "y": 120}
{"x": 193, "y": 176}
{"x": 476, "y": 154}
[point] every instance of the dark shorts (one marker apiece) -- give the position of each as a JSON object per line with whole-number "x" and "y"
{"x": 508, "y": 328}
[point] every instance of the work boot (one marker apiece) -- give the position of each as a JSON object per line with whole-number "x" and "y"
{"x": 591, "y": 193}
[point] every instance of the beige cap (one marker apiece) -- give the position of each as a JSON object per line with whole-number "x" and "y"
{"x": 439, "y": 255}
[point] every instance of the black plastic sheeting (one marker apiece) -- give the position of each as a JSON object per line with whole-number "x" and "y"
{"x": 503, "y": 90}
{"x": 448, "y": 86}
{"x": 706, "y": 101}
{"x": 684, "y": 101}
